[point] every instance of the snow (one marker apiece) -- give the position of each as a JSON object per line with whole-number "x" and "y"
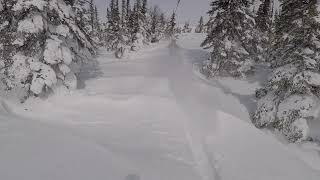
{"x": 56, "y": 53}
{"x": 44, "y": 77}
{"x": 19, "y": 67}
{"x": 312, "y": 78}
{"x": 64, "y": 69}
{"x": 71, "y": 81}
{"x": 18, "y": 41}
{"x": 305, "y": 107}
{"x": 67, "y": 55}
{"x": 35, "y": 151}
{"x": 285, "y": 72}
{"x": 33, "y": 24}
{"x": 26, "y": 4}
{"x": 62, "y": 30}
{"x": 61, "y": 8}
{"x": 260, "y": 157}
{"x": 310, "y": 62}
{"x": 4, "y": 24}
{"x": 1, "y": 64}
{"x": 308, "y": 51}
{"x": 267, "y": 110}
{"x": 53, "y": 54}
{"x": 148, "y": 116}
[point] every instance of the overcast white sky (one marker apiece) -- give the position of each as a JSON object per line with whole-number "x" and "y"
{"x": 190, "y": 10}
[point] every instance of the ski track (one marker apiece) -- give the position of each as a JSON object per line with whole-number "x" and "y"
{"x": 148, "y": 111}
{"x": 183, "y": 86}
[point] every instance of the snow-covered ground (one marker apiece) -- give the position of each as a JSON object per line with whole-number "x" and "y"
{"x": 150, "y": 116}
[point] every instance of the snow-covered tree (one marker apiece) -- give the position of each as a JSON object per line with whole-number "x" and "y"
{"x": 201, "y": 26}
{"x": 264, "y": 15}
{"x": 231, "y": 38}
{"x": 290, "y": 99}
{"x": 98, "y": 36}
{"x": 265, "y": 28}
{"x": 83, "y": 18}
{"x": 116, "y": 31}
{"x": 162, "y": 24}
{"x": 128, "y": 14}
{"x": 114, "y": 24}
{"x": 186, "y": 28}
{"x": 139, "y": 34}
{"x": 87, "y": 19}
{"x": 157, "y": 22}
{"x": 129, "y": 29}
{"x": 47, "y": 47}
{"x": 92, "y": 16}
{"x": 6, "y": 37}
{"x": 124, "y": 14}
{"x": 171, "y": 27}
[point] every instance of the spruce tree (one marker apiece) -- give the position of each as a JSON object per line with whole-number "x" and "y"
{"x": 265, "y": 28}
{"x": 124, "y": 15}
{"x": 171, "y": 27}
{"x": 113, "y": 25}
{"x": 155, "y": 29}
{"x": 290, "y": 98}
{"x": 96, "y": 18}
{"x": 128, "y": 28}
{"x": 44, "y": 51}
{"x": 264, "y": 16}
{"x": 83, "y": 19}
{"x": 6, "y": 38}
{"x": 116, "y": 39}
{"x": 144, "y": 7}
{"x": 139, "y": 33}
{"x": 162, "y": 24}
{"x": 200, "y": 28}
{"x": 131, "y": 24}
{"x": 92, "y": 17}
{"x": 231, "y": 38}
{"x": 99, "y": 34}
{"x": 128, "y": 13}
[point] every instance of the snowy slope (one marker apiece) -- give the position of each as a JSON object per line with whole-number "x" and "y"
{"x": 147, "y": 116}
{"x": 35, "y": 151}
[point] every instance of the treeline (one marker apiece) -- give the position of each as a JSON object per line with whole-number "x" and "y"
{"x": 201, "y": 27}
{"x": 128, "y": 25}
{"x": 241, "y": 38}
{"x": 128, "y": 28}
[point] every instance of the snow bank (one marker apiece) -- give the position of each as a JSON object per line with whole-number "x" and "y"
{"x": 243, "y": 152}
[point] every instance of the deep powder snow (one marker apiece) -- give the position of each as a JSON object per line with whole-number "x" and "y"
{"x": 150, "y": 116}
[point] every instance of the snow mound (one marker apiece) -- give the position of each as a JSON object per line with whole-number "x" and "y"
{"x": 243, "y": 152}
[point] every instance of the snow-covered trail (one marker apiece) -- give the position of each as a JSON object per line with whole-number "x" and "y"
{"x": 149, "y": 117}
{"x": 132, "y": 112}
